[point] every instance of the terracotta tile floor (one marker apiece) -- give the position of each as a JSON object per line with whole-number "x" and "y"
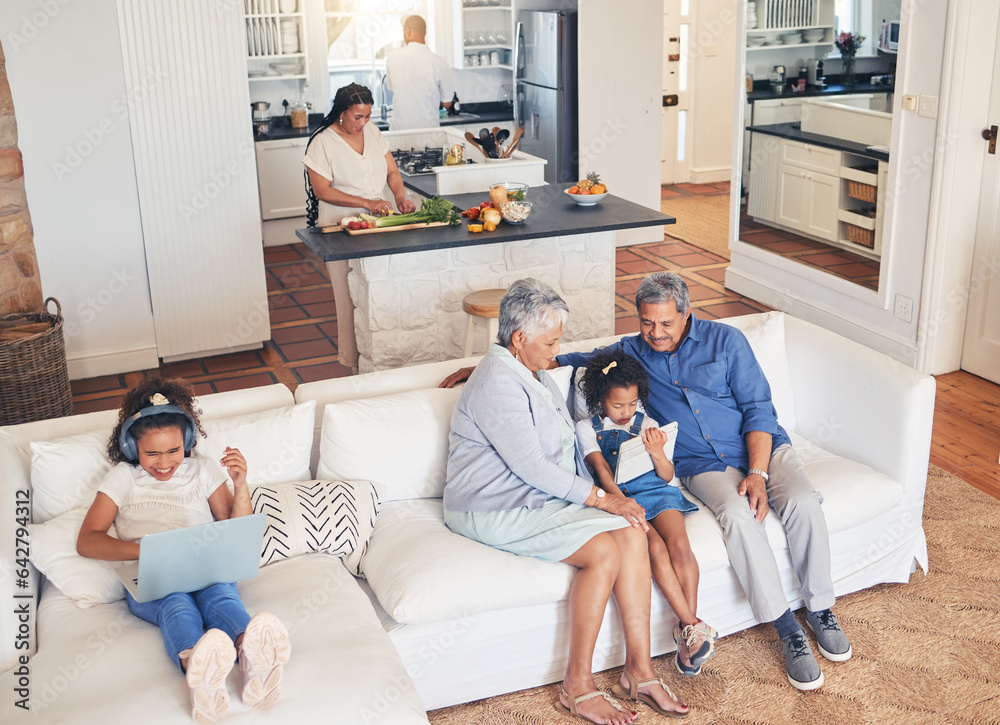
{"x": 303, "y": 346}
{"x": 836, "y": 261}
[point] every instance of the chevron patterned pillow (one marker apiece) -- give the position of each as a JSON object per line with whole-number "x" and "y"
{"x": 335, "y": 517}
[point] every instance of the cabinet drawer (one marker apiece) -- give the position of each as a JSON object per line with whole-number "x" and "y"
{"x": 809, "y": 156}
{"x": 783, "y": 111}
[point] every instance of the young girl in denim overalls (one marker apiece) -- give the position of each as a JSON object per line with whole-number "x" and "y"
{"x": 614, "y": 384}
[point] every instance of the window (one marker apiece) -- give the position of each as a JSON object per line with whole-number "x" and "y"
{"x": 359, "y": 34}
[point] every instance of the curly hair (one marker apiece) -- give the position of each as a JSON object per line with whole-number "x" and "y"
{"x": 352, "y": 94}
{"x": 178, "y": 392}
{"x": 596, "y": 383}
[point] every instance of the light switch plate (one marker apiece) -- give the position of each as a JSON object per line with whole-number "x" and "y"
{"x": 927, "y": 107}
{"x": 909, "y": 103}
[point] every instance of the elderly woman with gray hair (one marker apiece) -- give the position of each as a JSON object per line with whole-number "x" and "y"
{"x": 516, "y": 481}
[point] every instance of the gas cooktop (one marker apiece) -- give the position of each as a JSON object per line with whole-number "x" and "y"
{"x": 416, "y": 162}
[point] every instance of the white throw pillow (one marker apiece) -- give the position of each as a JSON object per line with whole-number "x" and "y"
{"x": 66, "y": 472}
{"x": 399, "y": 440}
{"x": 276, "y": 443}
{"x": 53, "y": 552}
{"x": 335, "y": 517}
{"x": 766, "y": 335}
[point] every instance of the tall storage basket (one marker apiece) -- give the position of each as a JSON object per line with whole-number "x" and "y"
{"x": 34, "y": 379}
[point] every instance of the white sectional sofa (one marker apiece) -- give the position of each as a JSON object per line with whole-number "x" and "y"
{"x": 445, "y": 619}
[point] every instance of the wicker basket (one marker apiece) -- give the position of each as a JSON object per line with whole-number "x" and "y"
{"x": 860, "y": 235}
{"x": 864, "y": 192}
{"x": 34, "y": 379}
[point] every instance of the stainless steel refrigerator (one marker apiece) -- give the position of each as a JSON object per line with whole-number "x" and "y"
{"x": 545, "y": 95}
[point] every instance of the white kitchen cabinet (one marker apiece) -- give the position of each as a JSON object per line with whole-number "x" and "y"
{"x": 280, "y": 180}
{"x": 808, "y": 201}
{"x": 276, "y": 40}
{"x": 472, "y": 27}
{"x": 777, "y": 110}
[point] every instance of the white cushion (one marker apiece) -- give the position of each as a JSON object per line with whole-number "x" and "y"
{"x": 421, "y": 571}
{"x": 399, "y": 440}
{"x": 66, "y": 472}
{"x": 766, "y": 335}
{"x": 53, "y": 552}
{"x": 845, "y": 485}
{"x": 276, "y": 443}
{"x": 335, "y": 517}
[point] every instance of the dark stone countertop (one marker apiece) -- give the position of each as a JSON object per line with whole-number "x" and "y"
{"x": 553, "y": 214}
{"x": 490, "y": 114}
{"x": 793, "y": 132}
{"x": 762, "y": 91}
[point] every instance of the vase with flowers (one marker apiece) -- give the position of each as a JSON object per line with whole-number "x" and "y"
{"x": 848, "y": 45}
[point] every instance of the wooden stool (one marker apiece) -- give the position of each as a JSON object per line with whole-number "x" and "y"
{"x": 483, "y": 309}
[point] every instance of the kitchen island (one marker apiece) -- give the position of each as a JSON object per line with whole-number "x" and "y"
{"x": 408, "y": 285}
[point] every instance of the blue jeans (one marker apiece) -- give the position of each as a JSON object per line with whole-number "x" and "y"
{"x": 184, "y": 618}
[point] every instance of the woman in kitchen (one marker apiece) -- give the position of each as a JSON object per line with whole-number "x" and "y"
{"x": 516, "y": 481}
{"x": 348, "y": 167}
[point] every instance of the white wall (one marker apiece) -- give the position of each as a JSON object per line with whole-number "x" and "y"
{"x": 620, "y": 102}
{"x": 836, "y": 304}
{"x": 713, "y": 56}
{"x": 65, "y": 69}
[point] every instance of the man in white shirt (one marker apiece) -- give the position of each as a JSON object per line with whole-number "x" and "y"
{"x": 420, "y": 81}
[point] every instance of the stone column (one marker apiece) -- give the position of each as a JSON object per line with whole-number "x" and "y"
{"x": 20, "y": 286}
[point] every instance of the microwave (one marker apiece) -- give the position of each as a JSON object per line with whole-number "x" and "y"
{"x": 889, "y": 39}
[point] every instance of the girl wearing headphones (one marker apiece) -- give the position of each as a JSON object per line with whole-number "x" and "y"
{"x": 157, "y": 485}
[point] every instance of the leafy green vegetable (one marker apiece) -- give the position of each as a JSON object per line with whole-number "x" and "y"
{"x": 434, "y": 209}
{"x": 517, "y": 195}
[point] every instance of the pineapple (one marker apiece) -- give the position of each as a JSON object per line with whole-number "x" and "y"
{"x": 593, "y": 178}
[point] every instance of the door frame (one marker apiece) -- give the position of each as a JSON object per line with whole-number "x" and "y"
{"x": 970, "y": 39}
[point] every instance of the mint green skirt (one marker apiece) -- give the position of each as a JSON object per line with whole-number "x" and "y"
{"x": 552, "y": 533}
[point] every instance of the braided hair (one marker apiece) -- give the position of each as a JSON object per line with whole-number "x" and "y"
{"x": 612, "y": 370}
{"x": 177, "y": 392}
{"x": 352, "y": 94}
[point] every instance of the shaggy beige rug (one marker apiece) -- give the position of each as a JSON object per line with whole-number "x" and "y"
{"x": 926, "y": 652}
{"x": 701, "y": 220}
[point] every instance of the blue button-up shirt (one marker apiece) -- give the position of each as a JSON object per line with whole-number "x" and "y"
{"x": 712, "y": 386}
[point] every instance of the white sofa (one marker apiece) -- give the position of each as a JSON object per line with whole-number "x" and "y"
{"x": 447, "y": 620}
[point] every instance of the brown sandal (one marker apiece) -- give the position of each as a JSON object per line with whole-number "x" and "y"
{"x": 574, "y": 701}
{"x": 634, "y": 694}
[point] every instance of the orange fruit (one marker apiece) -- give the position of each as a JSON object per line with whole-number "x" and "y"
{"x": 599, "y": 189}
{"x": 574, "y": 190}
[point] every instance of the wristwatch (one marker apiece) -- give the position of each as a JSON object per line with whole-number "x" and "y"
{"x": 601, "y": 493}
{"x": 759, "y": 472}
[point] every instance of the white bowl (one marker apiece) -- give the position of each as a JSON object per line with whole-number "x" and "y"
{"x": 813, "y": 36}
{"x": 755, "y": 41}
{"x": 791, "y": 38}
{"x": 585, "y": 199}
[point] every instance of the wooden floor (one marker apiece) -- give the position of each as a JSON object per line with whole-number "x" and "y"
{"x": 966, "y": 436}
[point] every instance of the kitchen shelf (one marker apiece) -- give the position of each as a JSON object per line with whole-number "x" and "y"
{"x": 277, "y": 78}
{"x": 783, "y": 47}
{"x": 859, "y": 220}
{"x": 753, "y": 31}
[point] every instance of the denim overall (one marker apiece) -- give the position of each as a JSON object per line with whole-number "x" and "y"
{"x": 649, "y": 490}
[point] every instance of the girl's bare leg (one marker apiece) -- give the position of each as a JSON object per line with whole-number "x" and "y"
{"x": 675, "y": 568}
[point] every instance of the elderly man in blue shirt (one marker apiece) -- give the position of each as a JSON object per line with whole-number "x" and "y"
{"x": 733, "y": 455}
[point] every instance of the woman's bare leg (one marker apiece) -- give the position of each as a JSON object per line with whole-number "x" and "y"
{"x": 597, "y": 562}
{"x": 674, "y": 566}
{"x": 632, "y": 591}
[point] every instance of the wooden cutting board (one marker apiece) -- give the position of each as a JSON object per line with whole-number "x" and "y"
{"x": 401, "y": 227}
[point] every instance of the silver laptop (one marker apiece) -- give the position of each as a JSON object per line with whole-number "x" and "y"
{"x": 195, "y": 557}
{"x": 633, "y": 460}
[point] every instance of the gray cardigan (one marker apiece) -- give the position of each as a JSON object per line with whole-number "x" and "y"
{"x": 506, "y": 442}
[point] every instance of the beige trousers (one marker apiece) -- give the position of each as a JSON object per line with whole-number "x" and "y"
{"x": 347, "y": 341}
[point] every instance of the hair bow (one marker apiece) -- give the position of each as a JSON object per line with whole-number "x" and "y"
{"x": 610, "y": 365}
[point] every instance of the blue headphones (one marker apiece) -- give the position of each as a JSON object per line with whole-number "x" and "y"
{"x": 127, "y": 442}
